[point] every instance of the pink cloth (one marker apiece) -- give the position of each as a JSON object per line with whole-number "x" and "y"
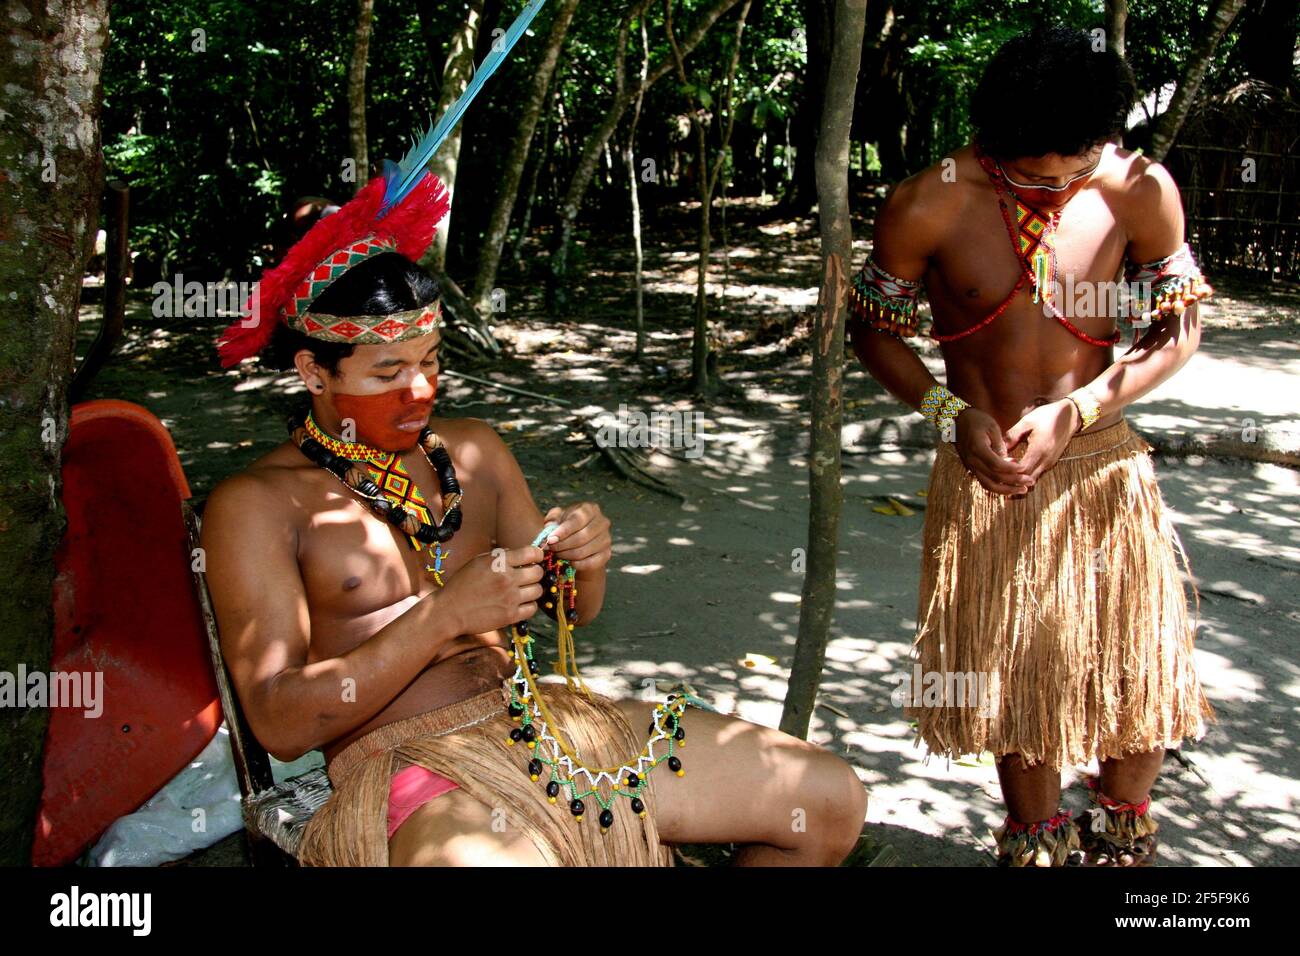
{"x": 410, "y": 789}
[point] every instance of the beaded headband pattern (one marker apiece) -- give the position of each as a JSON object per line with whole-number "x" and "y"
{"x": 371, "y": 329}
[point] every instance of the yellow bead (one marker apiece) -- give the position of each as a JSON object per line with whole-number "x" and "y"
{"x": 550, "y": 799}
{"x": 681, "y": 773}
{"x": 533, "y": 777}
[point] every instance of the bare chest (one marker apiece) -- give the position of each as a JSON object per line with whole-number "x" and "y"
{"x": 359, "y": 572}
{"x": 977, "y": 268}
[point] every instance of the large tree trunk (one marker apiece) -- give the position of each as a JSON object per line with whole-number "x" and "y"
{"x": 817, "y": 608}
{"x": 507, "y": 188}
{"x": 455, "y": 77}
{"x": 594, "y": 147}
{"x": 818, "y": 17}
{"x": 357, "y": 91}
{"x": 1116, "y": 21}
{"x": 1198, "y": 61}
{"x": 50, "y": 182}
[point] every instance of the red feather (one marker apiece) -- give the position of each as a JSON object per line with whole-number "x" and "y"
{"x": 413, "y": 224}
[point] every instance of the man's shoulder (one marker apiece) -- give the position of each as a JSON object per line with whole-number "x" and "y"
{"x": 261, "y": 486}
{"x": 467, "y": 436}
{"x": 936, "y": 195}
{"x": 1138, "y": 180}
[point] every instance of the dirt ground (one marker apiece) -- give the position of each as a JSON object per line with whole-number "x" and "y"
{"x": 704, "y": 591}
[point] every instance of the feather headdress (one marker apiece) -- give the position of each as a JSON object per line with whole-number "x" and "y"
{"x": 398, "y": 212}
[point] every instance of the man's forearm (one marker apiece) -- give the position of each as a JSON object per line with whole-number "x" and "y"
{"x": 893, "y": 364}
{"x": 1160, "y": 353}
{"x": 322, "y": 701}
{"x": 591, "y": 595}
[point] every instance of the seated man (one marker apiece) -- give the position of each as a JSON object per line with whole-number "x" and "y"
{"x": 363, "y": 614}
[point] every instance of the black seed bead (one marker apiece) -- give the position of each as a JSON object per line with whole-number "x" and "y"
{"x": 577, "y": 808}
{"x": 516, "y": 735}
{"x": 522, "y": 628}
{"x": 633, "y": 781}
{"x": 516, "y": 710}
{"x": 553, "y": 788}
{"x": 530, "y": 734}
{"x": 681, "y": 733}
{"x": 606, "y": 818}
{"x": 637, "y": 806}
{"x": 534, "y": 766}
{"x": 532, "y": 666}
{"x": 674, "y": 764}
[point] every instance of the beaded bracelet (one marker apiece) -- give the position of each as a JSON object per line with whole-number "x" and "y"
{"x": 941, "y": 408}
{"x": 1087, "y": 404}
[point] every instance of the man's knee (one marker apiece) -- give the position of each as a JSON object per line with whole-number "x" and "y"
{"x": 827, "y": 807}
{"x": 844, "y": 807}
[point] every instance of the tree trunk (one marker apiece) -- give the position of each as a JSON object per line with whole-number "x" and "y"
{"x": 494, "y": 239}
{"x": 629, "y": 158}
{"x": 594, "y": 147}
{"x": 541, "y": 158}
{"x": 818, "y": 18}
{"x": 455, "y": 77}
{"x": 357, "y": 91}
{"x": 1116, "y": 20}
{"x": 1198, "y": 61}
{"x": 708, "y": 178}
{"x": 817, "y": 607}
{"x": 50, "y": 182}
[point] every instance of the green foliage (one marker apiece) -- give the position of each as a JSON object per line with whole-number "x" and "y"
{"x": 218, "y": 132}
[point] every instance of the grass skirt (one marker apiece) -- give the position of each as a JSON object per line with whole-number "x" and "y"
{"x": 466, "y": 742}
{"x": 1065, "y": 608}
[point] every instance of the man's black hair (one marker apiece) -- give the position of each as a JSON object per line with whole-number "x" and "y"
{"x": 385, "y": 284}
{"x": 1050, "y": 91}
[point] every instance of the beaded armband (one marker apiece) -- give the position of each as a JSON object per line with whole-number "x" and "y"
{"x": 884, "y": 302}
{"x": 941, "y": 408}
{"x": 1165, "y": 287}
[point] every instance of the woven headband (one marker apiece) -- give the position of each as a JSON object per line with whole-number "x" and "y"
{"x": 371, "y": 329}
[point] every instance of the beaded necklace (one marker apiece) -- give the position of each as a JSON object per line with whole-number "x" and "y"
{"x": 381, "y": 478}
{"x": 539, "y": 731}
{"x": 1033, "y": 236}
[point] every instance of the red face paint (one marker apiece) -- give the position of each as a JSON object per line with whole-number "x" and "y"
{"x": 378, "y": 417}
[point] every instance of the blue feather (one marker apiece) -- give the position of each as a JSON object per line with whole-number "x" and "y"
{"x": 403, "y": 176}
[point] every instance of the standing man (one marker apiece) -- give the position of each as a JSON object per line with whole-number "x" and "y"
{"x": 1049, "y": 565}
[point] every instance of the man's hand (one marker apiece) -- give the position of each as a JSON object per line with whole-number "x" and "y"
{"x": 582, "y": 538}
{"x": 984, "y": 453}
{"x": 1046, "y": 430}
{"x": 494, "y": 590}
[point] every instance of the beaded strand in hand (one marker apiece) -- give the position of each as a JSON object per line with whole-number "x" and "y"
{"x": 539, "y": 731}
